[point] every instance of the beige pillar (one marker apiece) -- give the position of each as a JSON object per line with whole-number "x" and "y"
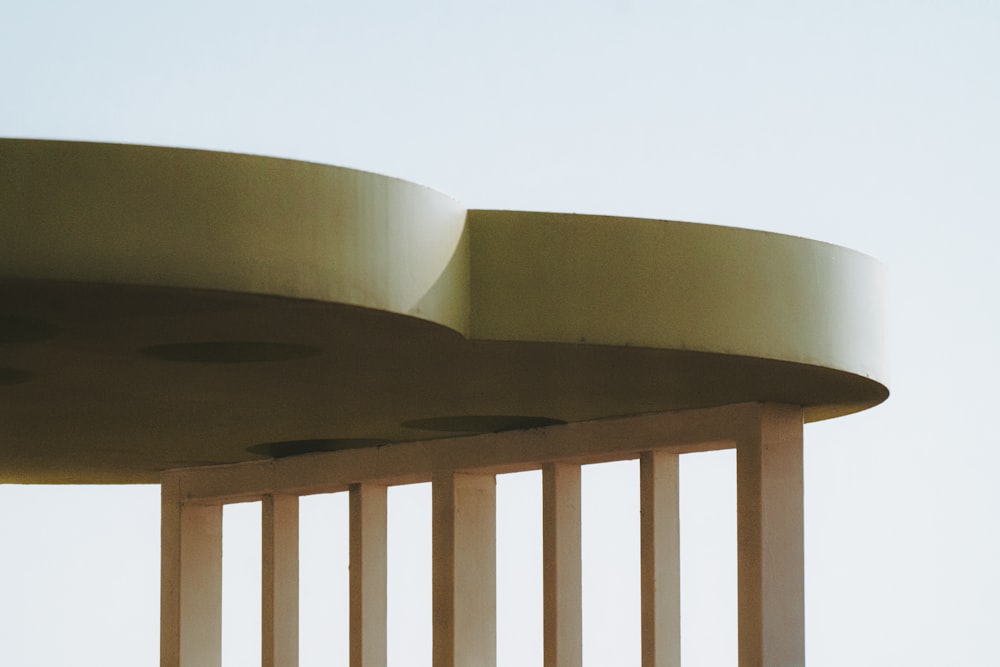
{"x": 660, "y": 559}
{"x": 368, "y": 575}
{"x": 464, "y": 569}
{"x": 562, "y": 587}
{"x": 280, "y": 570}
{"x": 190, "y": 581}
{"x": 769, "y": 529}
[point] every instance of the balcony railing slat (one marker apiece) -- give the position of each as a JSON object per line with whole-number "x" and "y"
{"x": 368, "y": 511}
{"x": 660, "y": 576}
{"x": 464, "y": 569}
{"x": 561, "y": 569}
{"x": 191, "y": 582}
{"x": 280, "y": 585}
{"x": 769, "y": 538}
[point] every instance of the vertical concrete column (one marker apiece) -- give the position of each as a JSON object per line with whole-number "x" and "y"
{"x": 464, "y": 569}
{"x": 368, "y": 575}
{"x": 280, "y": 585}
{"x": 561, "y": 569}
{"x": 660, "y": 572}
{"x": 190, "y": 580}
{"x": 769, "y": 531}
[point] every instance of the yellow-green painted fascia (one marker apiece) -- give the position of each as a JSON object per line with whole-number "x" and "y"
{"x": 170, "y": 217}
{"x": 566, "y": 278}
{"x": 164, "y": 217}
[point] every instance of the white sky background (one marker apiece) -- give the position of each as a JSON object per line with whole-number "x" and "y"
{"x": 868, "y": 124}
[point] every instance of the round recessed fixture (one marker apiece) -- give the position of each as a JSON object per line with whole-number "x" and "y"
{"x": 14, "y": 375}
{"x": 481, "y": 423}
{"x": 294, "y": 447}
{"x": 25, "y": 329}
{"x": 230, "y": 351}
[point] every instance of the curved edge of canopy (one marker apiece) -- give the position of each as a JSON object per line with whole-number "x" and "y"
{"x": 183, "y": 218}
{"x": 557, "y": 277}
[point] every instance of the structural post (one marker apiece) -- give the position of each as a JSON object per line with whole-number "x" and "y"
{"x": 464, "y": 569}
{"x": 660, "y": 559}
{"x": 368, "y": 575}
{"x": 190, "y": 580}
{"x": 562, "y": 587}
{"x": 280, "y": 585}
{"x": 769, "y": 530}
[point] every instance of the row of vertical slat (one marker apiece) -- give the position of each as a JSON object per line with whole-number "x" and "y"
{"x": 464, "y": 572}
{"x": 769, "y": 516}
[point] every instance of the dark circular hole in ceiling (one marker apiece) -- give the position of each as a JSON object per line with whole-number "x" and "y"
{"x": 293, "y": 447}
{"x": 14, "y": 376}
{"x": 481, "y": 423}
{"x": 25, "y": 330}
{"x": 230, "y": 352}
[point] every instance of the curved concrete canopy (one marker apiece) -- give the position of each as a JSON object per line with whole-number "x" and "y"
{"x": 163, "y": 308}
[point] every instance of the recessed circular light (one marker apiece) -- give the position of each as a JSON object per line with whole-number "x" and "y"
{"x": 294, "y": 447}
{"x": 14, "y": 375}
{"x": 25, "y": 330}
{"x": 230, "y": 352}
{"x": 481, "y": 423}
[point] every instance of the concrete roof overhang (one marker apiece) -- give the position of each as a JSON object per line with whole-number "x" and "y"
{"x": 163, "y": 308}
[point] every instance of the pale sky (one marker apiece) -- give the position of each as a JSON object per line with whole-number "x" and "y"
{"x": 867, "y": 124}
